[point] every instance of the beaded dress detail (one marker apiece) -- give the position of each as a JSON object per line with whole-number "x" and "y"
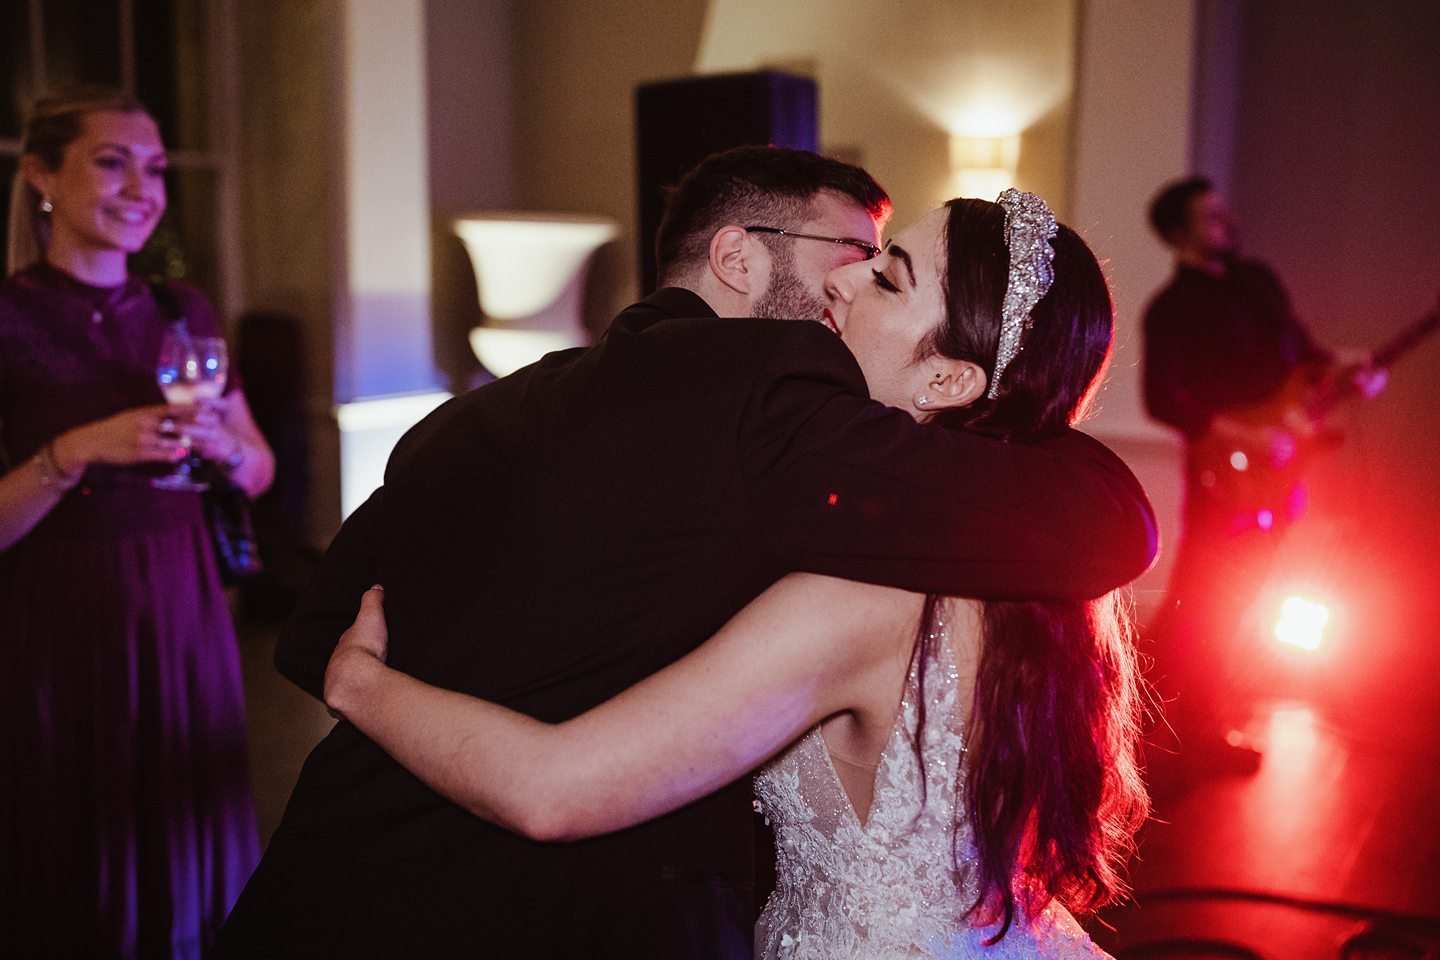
{"x": 890, "y": 887}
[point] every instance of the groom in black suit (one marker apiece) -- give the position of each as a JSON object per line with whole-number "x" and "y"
{"x": 556, "y": 536}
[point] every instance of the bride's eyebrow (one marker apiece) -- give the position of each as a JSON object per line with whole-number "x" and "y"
{"x": 903, "y": 255}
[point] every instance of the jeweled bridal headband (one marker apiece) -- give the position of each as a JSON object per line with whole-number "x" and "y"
{"x": 1029, "y": 228}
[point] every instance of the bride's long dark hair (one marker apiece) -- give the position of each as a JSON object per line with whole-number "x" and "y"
{"x": 1051, "y": 784}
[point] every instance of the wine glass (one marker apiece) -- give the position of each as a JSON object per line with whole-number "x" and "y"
{"x": 189, "y": 370}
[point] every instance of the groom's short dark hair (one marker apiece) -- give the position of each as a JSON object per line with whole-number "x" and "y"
{"x": 752, "y": 186}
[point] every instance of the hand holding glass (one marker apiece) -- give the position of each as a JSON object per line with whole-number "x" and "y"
{"x": 190, "y": 370}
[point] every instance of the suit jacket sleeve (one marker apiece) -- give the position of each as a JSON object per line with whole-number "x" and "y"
{"x": 351, "y": 565}
{"x": 853, "y": 489}
{"x": 329, "y": 605}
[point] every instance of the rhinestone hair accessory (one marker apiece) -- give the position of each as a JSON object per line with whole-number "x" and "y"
{"x": 1029, "y": 228}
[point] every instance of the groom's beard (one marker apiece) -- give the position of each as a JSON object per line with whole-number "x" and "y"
{"x": 787, "y": 297}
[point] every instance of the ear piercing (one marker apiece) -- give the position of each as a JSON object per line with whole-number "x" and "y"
{"x": 46, "y": 206}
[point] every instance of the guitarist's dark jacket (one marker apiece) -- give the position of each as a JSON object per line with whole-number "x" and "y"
{"x": 1218, "y": 343}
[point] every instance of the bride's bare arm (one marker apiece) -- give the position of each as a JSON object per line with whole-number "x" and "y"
{"x": 808, "y": 648}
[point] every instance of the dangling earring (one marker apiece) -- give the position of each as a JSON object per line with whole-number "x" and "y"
{"x": 46, "y": 206}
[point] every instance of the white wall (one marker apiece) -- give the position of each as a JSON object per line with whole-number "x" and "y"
{"x": 1132, "y": 132}
{"x": 576, "y": 69}
{"x": 898, "y": 80}
{"x": 334, "y": 203}
{"x": 382, "y": 330}
{"x": 895, "y": 81}
{"x": 291, "y": 147}
{"x": 469, "y": 70}
{"x": 1337, "y": 132}
{"x": 1322, "y": 122}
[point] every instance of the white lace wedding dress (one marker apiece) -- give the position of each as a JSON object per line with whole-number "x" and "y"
{"x": 888, "y": 888}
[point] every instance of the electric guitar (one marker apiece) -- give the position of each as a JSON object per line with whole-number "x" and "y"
{"x": 1247, "y": 480}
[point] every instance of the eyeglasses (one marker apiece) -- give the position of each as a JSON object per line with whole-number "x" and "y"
{"x": 869, "y": 249}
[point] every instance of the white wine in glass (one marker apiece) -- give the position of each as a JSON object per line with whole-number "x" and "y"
{"x": 189, "y": 370}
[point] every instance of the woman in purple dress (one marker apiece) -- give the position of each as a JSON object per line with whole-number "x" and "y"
{"x": 126, "y": 824}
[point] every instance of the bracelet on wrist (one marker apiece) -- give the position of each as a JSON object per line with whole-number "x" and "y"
{"x": 51, "y": 473}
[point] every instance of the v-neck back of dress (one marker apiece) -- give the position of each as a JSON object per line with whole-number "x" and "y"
{"x": 901, "y": 883}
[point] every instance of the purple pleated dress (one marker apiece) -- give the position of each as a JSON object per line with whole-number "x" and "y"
{"x": 126, "y": 822}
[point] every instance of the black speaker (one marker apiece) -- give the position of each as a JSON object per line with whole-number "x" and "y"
{"x": 678, "y": 123}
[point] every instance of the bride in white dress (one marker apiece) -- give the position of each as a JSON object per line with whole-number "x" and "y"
{"x": 959, "y": 774}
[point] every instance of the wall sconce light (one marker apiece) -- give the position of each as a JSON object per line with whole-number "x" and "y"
{"x": 530, "y": 270}
{"x": 983, "y": 166}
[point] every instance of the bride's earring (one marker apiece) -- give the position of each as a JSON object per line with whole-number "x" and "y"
{"x": 45, "y": 205}
{"x": 921, "y": 400}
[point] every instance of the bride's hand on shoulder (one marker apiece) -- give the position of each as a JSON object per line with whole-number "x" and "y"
{"x": 361, "y": 649}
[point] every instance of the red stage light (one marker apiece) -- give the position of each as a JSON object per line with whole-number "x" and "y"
{"x": 1302, "y": 623}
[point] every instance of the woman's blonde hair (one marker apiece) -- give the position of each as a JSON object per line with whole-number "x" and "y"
{"x": 55, "y": 121}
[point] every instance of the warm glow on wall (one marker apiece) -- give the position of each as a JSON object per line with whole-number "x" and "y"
{"x": 986, "y": 111}
{"x": 983, "y": 166}
{"x": 976, "y": 69}
{"x": 899, "y": 79}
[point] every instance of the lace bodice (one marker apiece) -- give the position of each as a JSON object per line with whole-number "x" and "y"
{"x": 890, "y": 887}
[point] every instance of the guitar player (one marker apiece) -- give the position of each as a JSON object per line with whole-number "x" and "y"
{"x": 1229, "y": 365}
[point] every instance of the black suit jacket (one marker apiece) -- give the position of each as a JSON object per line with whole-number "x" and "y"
{"x": 550, "y": 539}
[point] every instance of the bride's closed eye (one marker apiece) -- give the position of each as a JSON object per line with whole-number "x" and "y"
{"x": 883, "y": 282}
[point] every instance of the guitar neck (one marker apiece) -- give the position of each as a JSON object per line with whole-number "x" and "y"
{"x": 1407, "y": 340}
{"x": 1344, "y": 388}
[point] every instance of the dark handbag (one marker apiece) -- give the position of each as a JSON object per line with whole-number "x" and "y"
{"x": 227, "y": 513}
{"x": 227, "y": 507}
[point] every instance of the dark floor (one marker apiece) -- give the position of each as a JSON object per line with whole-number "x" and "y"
{"x": 1336, "y": 836}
